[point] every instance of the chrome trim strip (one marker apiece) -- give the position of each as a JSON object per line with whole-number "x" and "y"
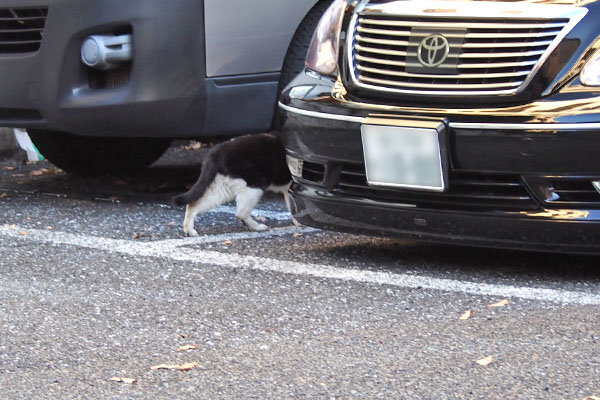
{"x": 480, "y": 25}
{"x": 321, "y": 115}
{"x": 585, "y": 126}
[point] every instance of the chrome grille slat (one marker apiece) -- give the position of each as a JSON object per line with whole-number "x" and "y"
{"x": 510, "y": 35}
{"x": 500, "y": 45}
{"x": 382, "y": 41}
{"x": 480, "y": 65}
{"x": 489, "y": 53}
{"x": 458, "y": 76}
{"x": 441, "y": 86}
{"x": 480, "y": 25}
{"x": 502, "y": 55}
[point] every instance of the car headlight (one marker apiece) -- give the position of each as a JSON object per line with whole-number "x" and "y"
{"x": 590, "y": 75}
{"x": 324, "y": 48}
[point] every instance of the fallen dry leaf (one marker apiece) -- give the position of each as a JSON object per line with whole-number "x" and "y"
{"x": 184, "y": 335}
{"x": 124, "y": 380}
{"x": 485, "y": 361}
{"x": 298, "y": 234}
{"x": 194, "y": 146}
{"x": 187, "y": 347}
{"x": 9, "y": 168}
{"x": 3, "y": 195}
{"x": 49, "y": 228}
{"x": 179, "y": 367}
{"x": 468, "y": 314}
{"x": 140, "y": 235}
{"x": 227, "y": 242}
{"x": 501, "y": 303}
{"x": 12, "y": 226}
{"x": 23, "y": 233}
{"x": 591, "y": 398}
{"x": 39, "y": 172}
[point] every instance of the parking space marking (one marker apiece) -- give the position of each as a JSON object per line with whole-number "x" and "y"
{"x": 274, "y": 215}
{"x": 167, "y": 249}
{"x": 203, "y": 239}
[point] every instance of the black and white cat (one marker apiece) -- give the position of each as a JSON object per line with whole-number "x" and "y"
{"x": 241, "y": 169}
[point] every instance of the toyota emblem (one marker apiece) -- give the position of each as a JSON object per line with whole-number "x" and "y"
{"x": 433, "y": 51}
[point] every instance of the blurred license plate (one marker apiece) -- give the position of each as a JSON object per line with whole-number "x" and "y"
{"x": 403, "y": 157}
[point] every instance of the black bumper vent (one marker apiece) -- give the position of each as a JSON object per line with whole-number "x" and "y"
{"x": 313, "y": 172}
{"x": 19, "y": 114}
{"x": 22, "y": 29}
{"x": 567, "y": 192}
{"x": 466, "y": 191}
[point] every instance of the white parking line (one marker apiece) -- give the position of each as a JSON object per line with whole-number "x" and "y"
{"x": 168, "y": 249}
{"x": 273, "y": 232}
{"x": 274, "y": 215}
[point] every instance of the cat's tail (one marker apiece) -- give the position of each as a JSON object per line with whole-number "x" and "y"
{"x": 207, "y": 176}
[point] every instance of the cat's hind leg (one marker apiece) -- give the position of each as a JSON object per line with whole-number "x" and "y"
{"x": 246, "y": 200}
{"x": 191, "y": 210}
{"x": 220, "y": 191}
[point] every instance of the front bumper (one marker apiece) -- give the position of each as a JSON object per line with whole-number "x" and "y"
{"x": 50, "y": 89}
{"x": 166, "y": 94}
{"x": 520, "y": 176}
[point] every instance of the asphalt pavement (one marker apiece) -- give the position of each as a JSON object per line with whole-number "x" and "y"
{"x": 97, "y": 281}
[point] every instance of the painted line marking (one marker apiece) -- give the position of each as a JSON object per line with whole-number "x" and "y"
{"x": 274, "y": 215}
{"x": 203, "y": 239}
{"x": 168, "y": 250}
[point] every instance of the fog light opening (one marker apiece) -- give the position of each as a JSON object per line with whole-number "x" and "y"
{"x": 295, "y": 166}
{"x": 106, "y": 51}
{"x": 596, "y": 185}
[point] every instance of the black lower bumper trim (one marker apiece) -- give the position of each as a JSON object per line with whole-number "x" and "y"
{"x": 544, "y": 232}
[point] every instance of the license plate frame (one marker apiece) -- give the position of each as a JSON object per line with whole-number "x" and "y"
{"x": 390, "y": 161}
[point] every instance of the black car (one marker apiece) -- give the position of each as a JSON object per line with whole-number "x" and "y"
{"x": 451, "y": 121}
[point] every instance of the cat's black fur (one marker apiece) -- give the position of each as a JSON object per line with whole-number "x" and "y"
{"x": 258, "y": 159}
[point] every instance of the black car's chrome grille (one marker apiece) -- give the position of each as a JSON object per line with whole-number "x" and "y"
{"x": 22, "y": 29}
{"x": 466, "y": 191}
{"x": 486, "y": 55}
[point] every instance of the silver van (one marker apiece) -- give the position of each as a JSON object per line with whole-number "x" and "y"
{"x": 103, "y": 86}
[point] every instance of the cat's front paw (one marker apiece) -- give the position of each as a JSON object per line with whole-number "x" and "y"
{"x": 260, "y": 228}
{"x": 191, "y": 232}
